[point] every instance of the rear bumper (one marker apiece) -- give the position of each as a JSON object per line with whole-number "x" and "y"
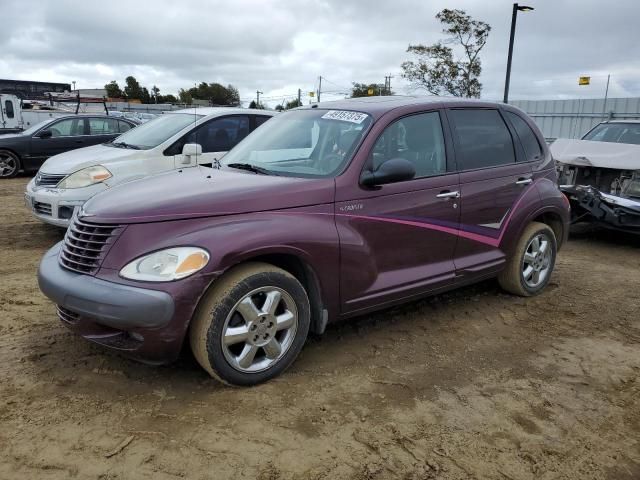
{"x": 129, "y": 319}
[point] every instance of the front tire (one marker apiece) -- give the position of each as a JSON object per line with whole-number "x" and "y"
{"x": 251, "y": 324}
{"x": 529, "y": 269}
{"x": 9, "y": 164}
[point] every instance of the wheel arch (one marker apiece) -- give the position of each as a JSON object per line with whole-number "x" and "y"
{"x": 303, "y": 271}
{"x": 555, "y": 222}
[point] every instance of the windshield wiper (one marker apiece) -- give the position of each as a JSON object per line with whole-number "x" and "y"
{"x": 125, "y": 145}
{"x": 251, "y": 168}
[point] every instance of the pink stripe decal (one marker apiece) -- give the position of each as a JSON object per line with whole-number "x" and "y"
{"x": 476, "y": 237}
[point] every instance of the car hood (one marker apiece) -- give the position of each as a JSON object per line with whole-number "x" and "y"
{"x": 74, "y": 160}
{"x": 204, "y": 192}
{"x": 587, "y": 153}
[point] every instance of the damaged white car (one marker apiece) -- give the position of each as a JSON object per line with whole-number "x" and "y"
{"x": 600, "y": 175}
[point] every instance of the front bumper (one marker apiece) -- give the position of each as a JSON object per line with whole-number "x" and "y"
{"x": 129, "y": 319}
{"x": 57, "y": 206}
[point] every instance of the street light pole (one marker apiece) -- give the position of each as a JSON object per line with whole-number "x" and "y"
{"x": 514, "y": 17}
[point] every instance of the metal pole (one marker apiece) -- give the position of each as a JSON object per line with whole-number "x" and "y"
{"x": 606, "y": 94}
{"x": 299, "y": 97}
{"x": 319, "y": 88}
{"x": 507, "y": 80}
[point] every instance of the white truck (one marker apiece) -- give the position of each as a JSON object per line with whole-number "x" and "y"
{"x": 14, "y": 118}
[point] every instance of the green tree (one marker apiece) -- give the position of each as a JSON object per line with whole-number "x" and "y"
{"x": 292, "y": 104}
{"x": 216, "y": 94}
{"x": 253, "y": 104}
{"x": 133, "y": 89}
{"x": 279, "y": 108}
{"x": 185, "y": 96}
{"x": 362, "y": 89}
{"x": 438, "y": 69}
{"x": 167, "y": 99}
{"x": 113, "y": 89}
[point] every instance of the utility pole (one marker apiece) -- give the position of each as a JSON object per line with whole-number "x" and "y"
{"x": 514, "y": 16}
{"x": 606, "y": 94}
{"x": 299, "y": 97}
{"x": 319, "y": 88}
{"x": 258, "y": 92}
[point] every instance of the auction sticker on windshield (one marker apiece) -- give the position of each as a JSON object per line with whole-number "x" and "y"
{"x": 345, "y": 116}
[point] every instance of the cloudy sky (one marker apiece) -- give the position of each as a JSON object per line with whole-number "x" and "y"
{"x": 278, "y": 46}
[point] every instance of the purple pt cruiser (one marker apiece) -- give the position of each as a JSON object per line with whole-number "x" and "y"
{"x": 323, "y": 213}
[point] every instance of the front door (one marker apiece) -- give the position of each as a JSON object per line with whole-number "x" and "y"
{"x": 492, "y": 180}
{"x": 66, "y": 134}
{"x": 397, "y": 240}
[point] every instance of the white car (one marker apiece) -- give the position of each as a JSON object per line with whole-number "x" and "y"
{"x": 174, "y": 140}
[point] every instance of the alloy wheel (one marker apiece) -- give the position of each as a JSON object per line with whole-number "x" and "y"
{"x": 8, "y": 165}
{"x": 536, "y": 264}
{"x": 260, "y": 329}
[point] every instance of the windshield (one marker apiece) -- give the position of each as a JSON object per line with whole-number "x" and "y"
{"x": 34, "y": 128}
{"x": 615, "y": 133}
{"x": 303, "y": 143}
{"x": 154, "y": 132}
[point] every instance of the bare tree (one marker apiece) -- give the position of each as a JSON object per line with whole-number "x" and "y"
{"x": 438, "y": 70}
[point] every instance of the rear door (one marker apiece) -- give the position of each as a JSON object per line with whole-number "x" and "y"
{"x": 493, "y": 176}
{"x": 216, "y": 137}
{"x": 102, "y": 130}
{"x": 398, "y": 239}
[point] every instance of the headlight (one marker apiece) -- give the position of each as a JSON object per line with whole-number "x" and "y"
{"x": 85, "y": 177}
{"x": 166, "y": 265}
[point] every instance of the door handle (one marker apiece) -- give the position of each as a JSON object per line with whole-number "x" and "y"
{"x": 448, "y": 194}
{"x": 524, "y": 181}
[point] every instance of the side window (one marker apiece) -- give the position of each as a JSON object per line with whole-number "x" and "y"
{"x": 68, "y": 127}
{"x": 8, "y": 108}
{"x": 483, "y": 139}
{"x": 528, "y": 139}
{"x": 123, "y": 126}
{"x": 260, "y": 120}
{"x": 219, "y": 135}
{"x": 103, "y": 126}
{"x": 417, "y": 138}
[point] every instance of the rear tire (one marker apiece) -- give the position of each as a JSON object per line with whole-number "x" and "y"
{"x": 529, "y": 269}
{"x": 9, "y": 164}
{"x": 251, "y": 324}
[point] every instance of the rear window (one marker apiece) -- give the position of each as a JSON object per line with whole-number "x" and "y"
{"x": 8, "y": 108}
{"x": 615, "y": 133}
{"x": 483, "y": 139}
{"x": 527, "y": 138}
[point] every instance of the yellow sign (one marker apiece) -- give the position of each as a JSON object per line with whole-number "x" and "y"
{"x": 584, "y": 80}
{"x": 312, "y": 94}
{"x": 370, "y": 91}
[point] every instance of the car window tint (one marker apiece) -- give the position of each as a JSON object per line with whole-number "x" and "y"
{"x": 220, "y": 135}
{"x": 8, "y": 108}
{"x": 417, "y": 138}
{"x": 103, "y": 126}
{"x": 68, "y": 127}
{"x": 527, "y": 138}
{"x": 483, "y": 139}
{"x": 260, "y": 120}
{"x": 124, "y": 126}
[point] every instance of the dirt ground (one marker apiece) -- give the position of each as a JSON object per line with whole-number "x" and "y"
{"x": 470, "y": 384}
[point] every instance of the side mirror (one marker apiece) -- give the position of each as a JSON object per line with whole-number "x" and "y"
{"x": 391, "y": 171}
{"x": 45, "y": 134}
{"x": 189, "y": 150}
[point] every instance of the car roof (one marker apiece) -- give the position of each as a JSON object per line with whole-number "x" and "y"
{"x": 376, "y": 106}
{"x": 90, "y": 115}
{"x": 622, "y": 121}
{"x": 219, "y": 111}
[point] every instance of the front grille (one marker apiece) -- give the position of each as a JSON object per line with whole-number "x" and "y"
{"x": 86, "y": 244}
{"x": 42, "y": 208}
{"x": 48, "y": 180}
{"x": 67, "y": 316}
